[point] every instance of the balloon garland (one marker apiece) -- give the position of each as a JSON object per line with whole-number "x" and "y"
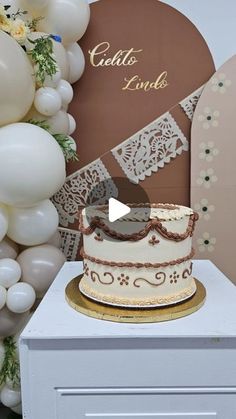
{"x": 41, "y": 59}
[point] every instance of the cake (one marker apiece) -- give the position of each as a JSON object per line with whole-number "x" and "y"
{"x": 141, "y": 260}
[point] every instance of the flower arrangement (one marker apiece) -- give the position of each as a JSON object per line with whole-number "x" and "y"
{"x": 41, "y": 53}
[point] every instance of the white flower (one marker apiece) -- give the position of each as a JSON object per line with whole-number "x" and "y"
{"x": 206, "y": 178}
{"x": 19, "y": 31}
{"x": 206, "y": 243}
{"x": 5, "y": 23}
{"x": 204, "y": 209}
{"x": 220, "y": 83}
{"x": 208, "y": 151}
{"x": 210, "y": 118}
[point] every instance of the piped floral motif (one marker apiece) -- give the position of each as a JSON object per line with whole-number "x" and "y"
{"x": 208, "y": 151}
{"x": 174, "y": 278}
{"x": 209, "y": 118}
{"x": 123, "y": 279}
{"x": 220, "y": 84}
{"x": 207, "y": 178}
{"x": 206, "y": 243}
{"x": 153, "y": 240}
{"x": 204, "y": 209}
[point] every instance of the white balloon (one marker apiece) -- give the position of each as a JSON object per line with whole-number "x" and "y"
{"x": 34, "y": 225}
{"x": 55, "y": 240}
{"x": 20, "y": 297}
{"x": 67, "y": 18}
{"x": 58, "y": 123}
{"x": 10, "y": 272}
{"x": 17, "y": 85}
{"x": 9, "y": 397}
{"x": 76, "y": 62}
{"x": 72, "y": 124}
{"x": 65, "y": 91}
{"x": 17, "y": 409}
{"x": 59, "y": 53}
{"x": 47, "y": 101}
{"x": 3, "y": 221}
{"x": 53, "y": 81}
{"x": 3, "y": 298}
{"x": 8, "y": 249}
{"x": 32, "y": 165}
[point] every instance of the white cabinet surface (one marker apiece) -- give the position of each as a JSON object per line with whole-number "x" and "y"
{"x": 77, "y": 367}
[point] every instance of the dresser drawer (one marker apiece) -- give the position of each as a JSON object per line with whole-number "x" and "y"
{"x": 126, "y": 403}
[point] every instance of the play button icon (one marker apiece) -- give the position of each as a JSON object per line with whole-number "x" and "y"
{"x": 117, "y": 210}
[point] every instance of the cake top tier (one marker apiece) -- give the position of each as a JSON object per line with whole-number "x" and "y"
{"x": 143, "y": 212}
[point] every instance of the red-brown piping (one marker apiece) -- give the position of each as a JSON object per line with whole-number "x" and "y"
{"x": 136, "y": 264}
{"x": 155, "y": 224}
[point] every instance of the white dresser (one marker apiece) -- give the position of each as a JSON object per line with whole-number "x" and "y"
{"x": 76, "y": 367}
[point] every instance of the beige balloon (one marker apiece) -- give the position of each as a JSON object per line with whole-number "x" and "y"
{"x": 10, "y": 323}
{"x": 55, "y": 240}
{"x": 8, "y": 249}
{"x": 17, "y": 85}
{"x": 58, "y": 123}
{"x": 40, "y": 265}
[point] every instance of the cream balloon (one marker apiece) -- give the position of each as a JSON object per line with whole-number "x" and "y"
{"x": 40, "y": 265}
{"x": 34, "y": 225}
{"x": 54, "y": 80}
{"x": 65, "y": 91}
{"x": 8, "y": 249}
{"x": 76, "y": 62}
{"x": 47, "y": 101}
{"x": 3, "y": 299}
{"x": 17, "y": 84}
{"x": 55, "y": 240}
{"x": 9, "y": 397}
{"x": 3, "y": 221}
{"x": 20, "y": 297}
{"x": 34, "y": 5}
{"x": 32, "y": 165}
{"x": 58, "y": 123}
{"x": 10, "y": 272}
{"x": 10, "y": 323}
{"x": 59, "y": 53}
{"x": 67, "y": 18}
{"x": 72, "y": 124}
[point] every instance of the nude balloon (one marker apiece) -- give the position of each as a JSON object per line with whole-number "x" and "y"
{"x": 67, "y": 18}
{"x": 76, "y": 62}
{"x": 34, "y": 225}
{"x": 10, "y": 323}
{"x": 20, "y": 297}
{"x": 3, "y": 297}
{"x": 58, "y": 123}
{"x": 55, "y": 240}
{"x": 32, "y": 165}
{"x": 40, "y": 265}
{"x": 17, "y": 93}
{"x": 8, "y": 249}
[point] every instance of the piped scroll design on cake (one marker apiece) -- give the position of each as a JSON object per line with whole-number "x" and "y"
{"x": 79, "y": 190}
{"x": 156, "y": 224}
{"x": 160, "y": 276}
{"x": 151, "y": 148}
{"x": 95, "y": 276}
{"x": 187, "y": 272}
{"x": 189, "y": 103}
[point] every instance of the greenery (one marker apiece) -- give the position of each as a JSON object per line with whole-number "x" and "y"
{"x": 42, "y": 57}
{"x": 10, "y": 368}
{"x": 64, "y": 141}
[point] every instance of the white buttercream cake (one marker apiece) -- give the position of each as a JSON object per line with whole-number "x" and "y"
{"x": 141, "y": 260}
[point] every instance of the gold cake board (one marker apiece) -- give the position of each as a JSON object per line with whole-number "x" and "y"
{"x": 132, "y": 315}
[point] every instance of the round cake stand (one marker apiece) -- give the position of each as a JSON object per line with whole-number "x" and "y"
{"x": 132, "y": 315}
